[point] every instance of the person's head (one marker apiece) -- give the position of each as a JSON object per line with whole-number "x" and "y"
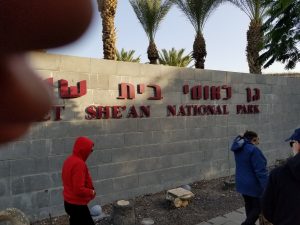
{"x": 83, "y": 147}
{"x": 252, "y": 137}
{"x": 294, "y": 141}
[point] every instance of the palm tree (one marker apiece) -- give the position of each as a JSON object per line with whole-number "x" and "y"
{"x": 282, "y": 33}
{"x": 256, "y": 11}
{"x": 107, "y": 9}
{"x": 174, "y": 58}
{"x": 150, "y": 13}
{"x": 198, "y": 11}
{"x": 126, "y": 56}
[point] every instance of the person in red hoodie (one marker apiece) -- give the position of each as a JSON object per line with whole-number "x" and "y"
{"x": 77, "y": 182}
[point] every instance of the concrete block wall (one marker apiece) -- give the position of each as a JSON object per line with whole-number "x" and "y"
{"x": 134, "y": 156}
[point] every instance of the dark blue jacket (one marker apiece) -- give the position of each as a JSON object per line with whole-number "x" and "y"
{"x": 251, "y": 168}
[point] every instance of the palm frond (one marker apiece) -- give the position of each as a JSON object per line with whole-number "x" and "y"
{"x": 254, "y": 9}
{"x": 126, "y": 56}
{"x": 197, "y": 11}
{"x": 150, "y": 13}
{"x": 174, "y": 58}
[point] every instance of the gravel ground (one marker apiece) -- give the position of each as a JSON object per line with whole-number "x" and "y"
{"x": 210, "y": 200}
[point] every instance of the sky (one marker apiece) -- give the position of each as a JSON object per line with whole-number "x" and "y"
{"x": 224, "y": 33}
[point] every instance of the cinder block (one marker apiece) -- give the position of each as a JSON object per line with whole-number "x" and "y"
{"x": 56, "y": 163}
{"x": 149, "y": 124}
{"x": 56, "y": 180}
{"x": 110, "y": 141}
{"x": 125, "y": 183}
{"x": 21, "y": 149}
{"x": 104, "y": 67}
{"x": 149, "y": 178}
{"x": 128, "y": 69}
{"x": 148, "y": 151}
{"x": 133, "y": 139}
{"x": 75, "y": 64}
{"x": 41, "y": 199}
{"x": 125, "y": 154}
{"x": 4, "y": 169}
{"x": 22, "y": 167}
{"x": 45, "y": 61}
{"x": 100, "y": 157}
{"x": 203, "y": 75}
{"x": 56, "y": 197}
{"x": 172, "y": 123}
{"x": 117, "y": 170}
{"x": 23, "y": 202}
{"x": 4, "y": 187}
{"x": 39, "y": 148}
{"x": 37, "y": 182}
{"x": 103, "y": 187}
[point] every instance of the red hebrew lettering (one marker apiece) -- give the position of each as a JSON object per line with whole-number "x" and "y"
{"x": 256, "y": 96}
{"x": 157, "y": 92}
{"x": 73, "y": 91}
{"x": 141, "y": 88}
{"x": 126, "y": 91}
{"x": 196, "y": 92}
{"x": 206, "y": 92}
{"x": 185, "y": 89}
{"x": 248, "y": 94}
{"x": 228, "y": 92}
{"x": 215, "y": 93}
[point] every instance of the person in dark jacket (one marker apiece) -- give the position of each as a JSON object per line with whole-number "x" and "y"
{"x": 251, "y": 173}
{"x": 281, "y": 200}
{"x": 78, "y": 186}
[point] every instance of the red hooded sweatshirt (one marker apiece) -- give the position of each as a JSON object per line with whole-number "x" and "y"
{"x": 77, "y": 182}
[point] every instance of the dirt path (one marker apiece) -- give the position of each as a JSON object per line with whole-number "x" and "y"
{"x": 210, "y": 201}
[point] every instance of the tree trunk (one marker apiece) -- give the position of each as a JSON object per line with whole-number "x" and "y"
{"x": 107, "y": 10}
{"x": 199, "y": 51}
{"x": 123, "y": 213}
{"x": 254, "y": 45}
{"x": 152, "y": 53}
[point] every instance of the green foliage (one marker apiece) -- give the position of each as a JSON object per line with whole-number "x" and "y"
{"x": 254, "y": 9}
{"x": 174, "y": 58}
{"x": 150, "y": 13}
{"x": 198, "y": 11}
{"x": 282, "y": 33}
{"x": 127, "y": 56}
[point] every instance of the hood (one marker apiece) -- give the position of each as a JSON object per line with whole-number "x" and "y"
{"x": 83, "y": 148}
{"x": 294, "y": 166}
{"x": 237, "y": 144}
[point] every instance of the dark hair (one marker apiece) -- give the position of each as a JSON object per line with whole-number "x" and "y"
{"x": 249, "y": 135}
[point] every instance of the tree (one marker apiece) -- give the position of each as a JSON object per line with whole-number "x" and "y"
{"x": 256, "y": 11}
{"x": 198, "y": 11}
{"x": 107, "y": 9}
{"x": 150, "y": 13}
{"x": 282, "y": 34}
{"x": 126, "y": 56}
{"x": 174, "y": 58}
